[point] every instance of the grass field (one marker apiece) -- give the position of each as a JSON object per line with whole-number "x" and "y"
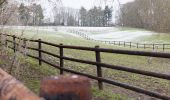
{"x": 110, "y": 92}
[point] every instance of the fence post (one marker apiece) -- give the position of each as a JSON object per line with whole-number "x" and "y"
{"x": 14, "y": 43}
{"x": 70, "y": 87}
{"x": 163, "y": 47}
{"x": 24, "y": 46}
{"x": 6, "y": 42}
{"x": 144, "y": 46}
{"x": 61, "y": 59}
{"x": 124, "y": 43}
{"x": 119, "y": 43}
{"x": 39, "y": 51}
{"x": 99, "y": 68}
{"x": 137, "y": 45}
{"x": 24, "y": 43}
{"x": 12, "y": 89}
{"x": 1, "y": 38}
{"x": 153, "y": 46}
{"x": 130, "y": 44}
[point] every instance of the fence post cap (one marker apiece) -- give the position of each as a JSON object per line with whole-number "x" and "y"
{"x": 97, "y": 46}
{"x": 61, "y": 44}
{"x": 74, "y": 86}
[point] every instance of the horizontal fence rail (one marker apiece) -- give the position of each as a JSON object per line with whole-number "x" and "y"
{"x": 50, "y": 88}
{"x": 9, "y": 85}
{"x": 98, "y": 63}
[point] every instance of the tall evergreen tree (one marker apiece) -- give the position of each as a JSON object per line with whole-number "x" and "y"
{"x": 37, "y": 14}
{"x": 83, "y": 16}
{"x": 107, "y": 16}
{"x": 24, "y": 14}
{"x": 96, "y": 16}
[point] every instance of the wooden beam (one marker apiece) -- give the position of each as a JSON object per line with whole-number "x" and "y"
{"x": 11, "y": 89}
{"x": 69, "y": 87}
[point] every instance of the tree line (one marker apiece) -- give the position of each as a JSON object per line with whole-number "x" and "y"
{"x": 147, "y": 14}
{"x": 12, "y": 14}
{"x": 31, "y": 15}
{"x": 96, "y": 16}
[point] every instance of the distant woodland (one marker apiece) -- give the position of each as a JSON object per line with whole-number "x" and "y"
{"x": 21, "y": 14}
{"x": 147, "y": 14}
{"x": 96, "y": 17}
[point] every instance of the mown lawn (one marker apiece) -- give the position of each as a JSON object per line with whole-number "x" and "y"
{"x": 143, "y": 63}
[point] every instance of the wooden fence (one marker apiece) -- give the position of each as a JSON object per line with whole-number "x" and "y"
{"x": 9, "y": 85}
{"x": 51, "y": 88}
{"x": 154, "y": 46}
{"x": 98, "y": 63}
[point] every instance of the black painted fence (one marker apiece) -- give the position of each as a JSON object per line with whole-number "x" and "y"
{"x": 98, "y": 63}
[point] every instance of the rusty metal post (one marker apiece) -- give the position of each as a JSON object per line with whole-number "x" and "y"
{"x": 70, "y": 87}
{"x": 99, "y": 68}
{"x": 61, "y": 59}
{"x": 11, "y": 89}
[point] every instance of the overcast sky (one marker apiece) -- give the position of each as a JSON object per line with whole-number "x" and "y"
{"x": 90, "y": 3}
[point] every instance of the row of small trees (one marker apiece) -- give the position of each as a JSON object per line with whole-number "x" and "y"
{"x": 96, "y": 16}
{"x": 12, "y": 14}
{"x": 147, "y": 14}
{"x": 32, "y": 15}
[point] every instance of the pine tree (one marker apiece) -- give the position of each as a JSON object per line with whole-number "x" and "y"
{"x": 107, "y": 16}
{"x": 37, "y": 14}
{"x": 24, "y": 14}
{"x": 83, "y": 16}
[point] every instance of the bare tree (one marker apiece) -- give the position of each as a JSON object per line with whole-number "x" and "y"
{"x": 148, "y": 14}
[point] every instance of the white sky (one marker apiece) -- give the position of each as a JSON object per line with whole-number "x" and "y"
{"x": 90, "y": 3}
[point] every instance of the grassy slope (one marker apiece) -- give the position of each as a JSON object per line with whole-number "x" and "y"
{"x": 30, "y": 73}
{"x": 144, "y": 63}
{"x": 157, "y": 38}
